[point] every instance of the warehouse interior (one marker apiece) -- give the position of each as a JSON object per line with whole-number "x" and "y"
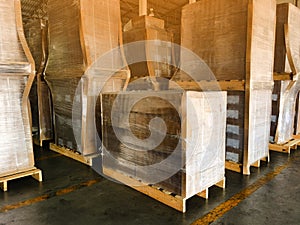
{"x": 149, "y": 112}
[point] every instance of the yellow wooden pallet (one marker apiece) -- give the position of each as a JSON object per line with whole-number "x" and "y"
{"x": 238, "y": 167}
{"x": 286, "y": 148}
{"x": 170, "y": 199}
{"x": 35, "y": 173}
{"x": 72, "y": 154}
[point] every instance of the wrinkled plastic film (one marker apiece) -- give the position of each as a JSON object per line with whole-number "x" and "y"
{"x": 286, "y": 60}
{"x": 13, "y": 142}
{"x": 285, "y": 127}
{"x": 259, "y": 125}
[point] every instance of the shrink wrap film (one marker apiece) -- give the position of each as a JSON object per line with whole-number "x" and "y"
{"x": 191, "y": 150}
{"x": 146, "y": 28}
{"x": 227, "y": 36}
{"x": 80, "y": 32}
{"x": 287, "y": 59}
{"x": 35, "y": 22}
{"x": 16, "y": 77}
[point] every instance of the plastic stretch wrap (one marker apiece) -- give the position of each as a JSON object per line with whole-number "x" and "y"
{"x": 80, "y": 32}
{"x": 145, "y": 28}
{"x": 13, "y": 141}
{"x": 34, "y": 14}
{"x": 227, "y": 36}
{"x": 191, "y": 149}
{"x": 287, "y": 59}
{"x": 16, "y": 153}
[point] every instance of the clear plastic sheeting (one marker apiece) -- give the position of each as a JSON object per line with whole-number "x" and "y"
{"x": 158, "y": 56}
{"x": 287, "y": 59}
{"x": 174, "y": 139}
{"x": 16, "y": 76}
{"x": 287, "y": 110}
{"x": 11, "y": 50}
{"x": 259, "y": 125}
{"x": 13, "y": 141}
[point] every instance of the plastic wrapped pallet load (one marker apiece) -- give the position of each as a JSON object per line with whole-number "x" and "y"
{"x": 146, "y": 28}
{"x": 16, "y": 77}
{"x": 172, "y": 139}
{"x": 35, "y": 22}
{"x": 236, "y": 40}
{"x": 80, "y": 32}
{"x": 287, "y": 60}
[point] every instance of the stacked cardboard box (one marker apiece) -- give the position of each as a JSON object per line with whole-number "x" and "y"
{"x": 80, "y": 33}
{"x": 158, "y": 54}
{"x": 236, "y": 40}
{"x": 184, "y": 157}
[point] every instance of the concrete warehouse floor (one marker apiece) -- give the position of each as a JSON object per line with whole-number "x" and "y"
{"x": 73, "y": 193}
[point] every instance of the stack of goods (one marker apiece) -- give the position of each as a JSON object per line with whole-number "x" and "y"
{"x": 236, "y": 40}
{"x": 287, "y": 60}
{"x": 16, "y": 77}
{"x": 34, "y": 14}
{"x": 157, "y": 53}
{"x": 174, "y": 140}
{"x": 80, "y": 32}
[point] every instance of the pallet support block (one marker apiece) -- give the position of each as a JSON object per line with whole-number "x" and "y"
{"x": 285, "y": 148}
{"x": 35, "y": 173}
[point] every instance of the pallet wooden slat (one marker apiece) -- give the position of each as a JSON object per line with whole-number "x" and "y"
{"x": 175, "y": 201}
{"x": 71, "y": 154}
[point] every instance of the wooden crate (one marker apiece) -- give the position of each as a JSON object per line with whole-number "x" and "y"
{"x": 227, "y": 36}
{"x": 188, "y": 159}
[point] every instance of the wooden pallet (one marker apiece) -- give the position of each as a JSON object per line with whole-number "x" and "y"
{"x": 286, "y": 148}
{"x": 239, "y": 168}
{"x": 35, "y": 173}
{"x": 72, "y": 154}
{"x": 170, "y": 199}
{"x": 213, "y": 85}
{"x": 39, "y": 142}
